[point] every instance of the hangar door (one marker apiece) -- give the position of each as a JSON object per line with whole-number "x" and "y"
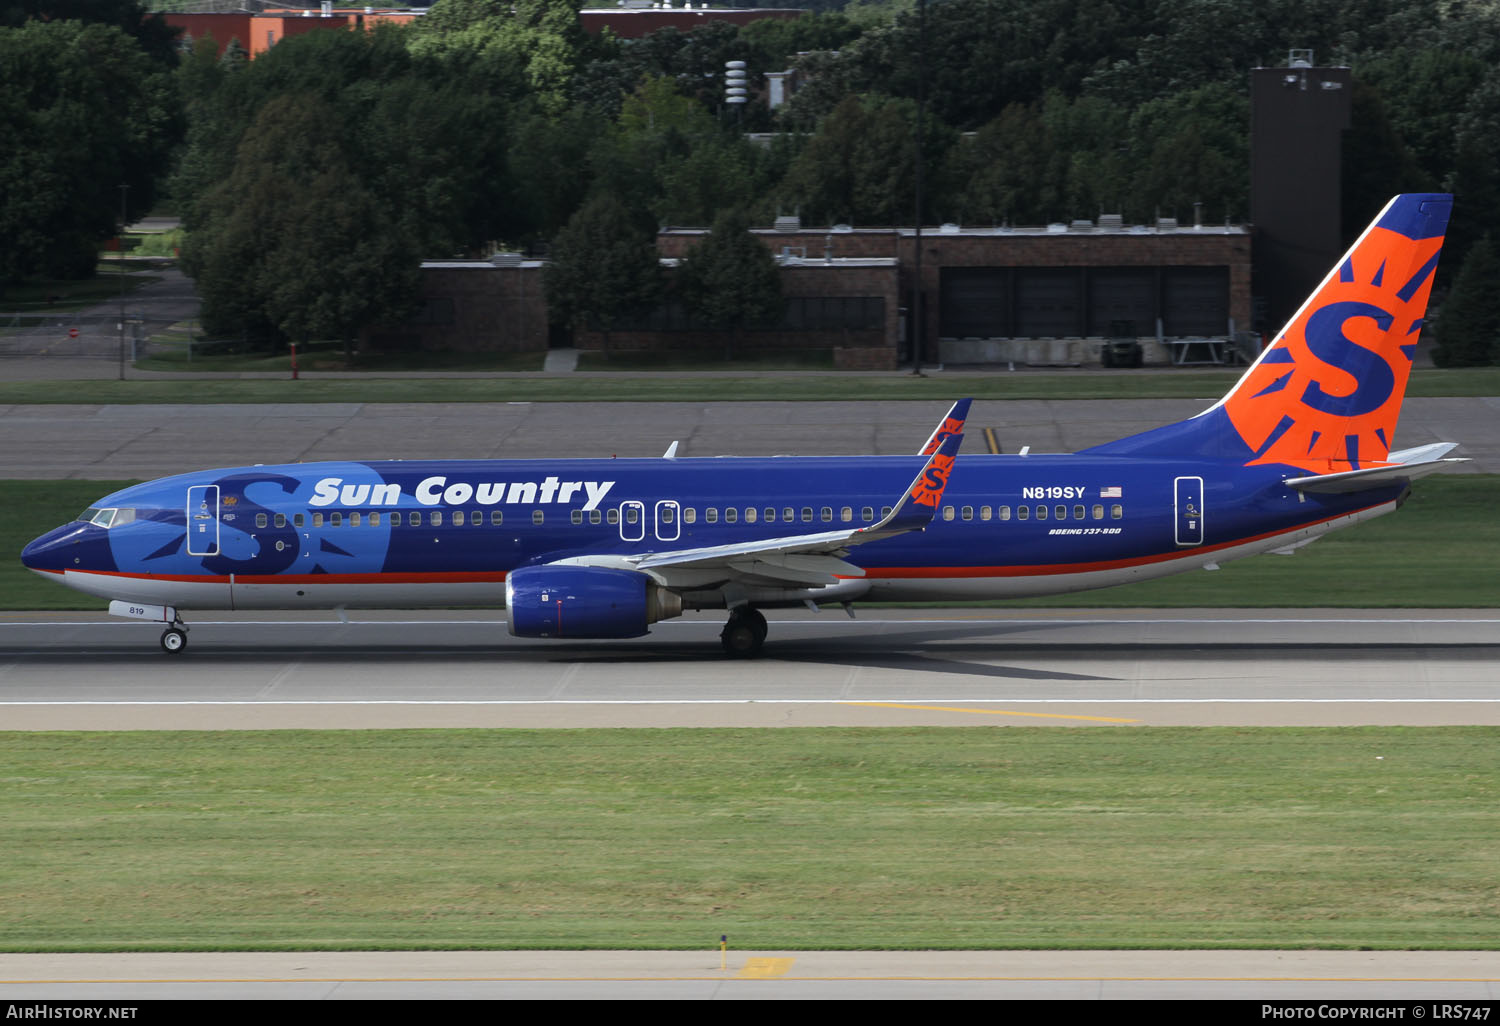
{"x": 974, "y": 302}
{"x": 1195, "y": 300}
{"x": 1066, "y": 302}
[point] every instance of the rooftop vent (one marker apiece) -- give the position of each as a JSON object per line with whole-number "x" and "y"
{"x": 789, "y": 223}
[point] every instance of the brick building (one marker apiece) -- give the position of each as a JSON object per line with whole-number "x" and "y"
{"x": 258, "y": 32}
{"x": 472, "y": 306}
{"x": 1040, "y": 296}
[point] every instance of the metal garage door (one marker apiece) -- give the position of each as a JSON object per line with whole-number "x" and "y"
{"x": 974, "y": 302}
{"x": 1195, "y": 300}
{"x": 1048, "y": 303}
{"x": 1122, "y": 295}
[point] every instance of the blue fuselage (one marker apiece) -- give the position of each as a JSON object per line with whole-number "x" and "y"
{"x": 447, "y": 532}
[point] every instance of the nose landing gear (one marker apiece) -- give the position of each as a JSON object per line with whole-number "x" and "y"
{"x": 745, "y": 634}
{"x": 174, "y": 638}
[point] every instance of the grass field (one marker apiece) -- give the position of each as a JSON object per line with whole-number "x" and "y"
{"x": 754, "y": 385}
{"x": 170, "y": 353}
{"x": 1435, "y": 552}
{"x": 783, "y": 839}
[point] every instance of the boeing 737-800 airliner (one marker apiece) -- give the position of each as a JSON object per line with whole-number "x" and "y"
{"x": 603, "y": 548}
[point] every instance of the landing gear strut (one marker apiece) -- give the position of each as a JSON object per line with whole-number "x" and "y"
{"x": 745, "y": 633}
{"x": 174, "y": 638}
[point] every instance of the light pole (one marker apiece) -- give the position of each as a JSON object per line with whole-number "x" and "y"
{"x": 919, "y": 324}
{"x": 120, "y": 270}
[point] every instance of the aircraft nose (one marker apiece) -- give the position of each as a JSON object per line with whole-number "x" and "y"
{"x": 70, "y": 547}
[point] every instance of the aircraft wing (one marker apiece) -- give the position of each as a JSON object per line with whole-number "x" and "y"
{"x": 797, "y": 560}
{"x": 1406, "y": 465}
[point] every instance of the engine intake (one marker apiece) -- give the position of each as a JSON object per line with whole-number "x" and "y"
{"x": 585, "y": 602}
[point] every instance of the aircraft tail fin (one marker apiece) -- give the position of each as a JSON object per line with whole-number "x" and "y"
{"x": 1325, "y": 396}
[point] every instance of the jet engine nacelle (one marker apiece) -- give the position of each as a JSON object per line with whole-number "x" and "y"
{"x": 585, "y": 602}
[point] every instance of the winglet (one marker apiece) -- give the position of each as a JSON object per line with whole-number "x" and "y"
{"x": 952, "y": 424}
{"x": 924, "y": 495}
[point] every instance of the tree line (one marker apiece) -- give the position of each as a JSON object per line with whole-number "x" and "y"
{"x": 314, "y": 178}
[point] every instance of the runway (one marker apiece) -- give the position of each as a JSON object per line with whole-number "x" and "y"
{"x": 1470, "y": 977}
{"x": 887, "y": 668}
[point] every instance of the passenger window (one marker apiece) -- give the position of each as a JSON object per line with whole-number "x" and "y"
{"x": 807, "y": 514}
{"x": 1116, "y": 511}
{"x": 731, "y": 515}
{"x": 770, "y": 514}
{"x": 632, "y": 514}
{"x": 984, "y": 512}
{"x": 317, "y": 520}
{"x": 1077, "y": 512}
{"x": 1041, "y": 512}
{"x": 666, "y": 516}
{"x": 614, "y": 516}
{"x": 476, "y": 518}
{"x": 595, "y": 516}
{"x": 749, "y": 515}
{"x": 711, "y": 516}
{"x": 335, "y": 520}
{"x": 496, "y": 518}
{"x": 1023, "y": 512}
{"x": 827, "y": 514}
{"x": 1099, "y": 512}
{"x": 297, "y": 520}
{"x": 354, "y": 519}
{"x": 279, "y": 519}
{"x": 967, "y": 512}
{"x": 847, "y": 514}
{"x": 866, "y": 514}
{"x": 947, "y": 512}
{"x": 578, "y": 516}
{"x": 787, "y": 514}
{"x": 435, "y": 518}
{"x": 885, "y": 511}
{"x": 536, "y": 516}
{"x": 414, "y": 519}
{"x": 374, "y": 519}
{"x": 689, "y": 515}
{"x": 260, "y": 520}
{"x": 1003, "y": 512}
{"x": 458, "y": 518}
{"x": 1061, "y": 512}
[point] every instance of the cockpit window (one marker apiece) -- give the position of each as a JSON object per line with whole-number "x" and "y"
{"x": 107, "y": 517}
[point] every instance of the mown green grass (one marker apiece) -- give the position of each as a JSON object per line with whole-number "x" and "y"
{"x": 1435, "y": 552}
{"x": 1157, "y": 383}
{"x": 677, "y": 361}
{"x": 170, "y": 353}
{"x": 800, "y": 838}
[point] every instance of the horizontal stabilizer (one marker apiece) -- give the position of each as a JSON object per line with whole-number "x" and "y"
{"x": 1406, "y": 465}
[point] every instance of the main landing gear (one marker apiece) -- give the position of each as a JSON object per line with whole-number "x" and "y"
{"x": 745, "y": 633}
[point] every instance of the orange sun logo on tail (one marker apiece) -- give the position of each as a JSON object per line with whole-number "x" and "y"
{"x": 1327, "y": 394}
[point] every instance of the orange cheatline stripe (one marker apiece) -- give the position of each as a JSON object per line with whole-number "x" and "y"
{"x": 993, "y": 712}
